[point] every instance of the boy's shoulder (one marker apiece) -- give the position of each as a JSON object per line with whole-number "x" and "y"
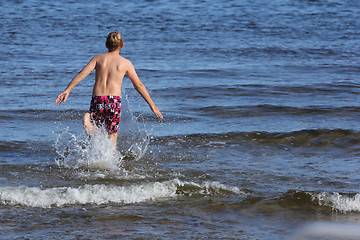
{"x": 101, "y": 55}
{"x": 115, "y": 59}
{"x": 109, "y": 55}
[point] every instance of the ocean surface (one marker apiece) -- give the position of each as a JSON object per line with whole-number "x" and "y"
{"x": 260, "y": 137}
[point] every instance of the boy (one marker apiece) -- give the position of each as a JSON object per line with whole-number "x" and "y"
{"x": 105, "y": 105}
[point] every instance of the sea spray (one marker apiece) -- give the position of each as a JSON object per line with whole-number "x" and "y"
{"x": 96, "y": 152}
{"x": 133, "y": 139}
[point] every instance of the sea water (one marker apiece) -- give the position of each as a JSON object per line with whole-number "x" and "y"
{"x": 260, "y": 136}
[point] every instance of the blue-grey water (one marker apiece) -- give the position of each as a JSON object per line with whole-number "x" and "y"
{"x": 260, "y": 135}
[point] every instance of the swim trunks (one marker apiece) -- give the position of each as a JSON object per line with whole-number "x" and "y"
{"x": 105, "y": 111}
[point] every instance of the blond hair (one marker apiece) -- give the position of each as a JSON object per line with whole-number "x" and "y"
{"x": 114, "y": 41}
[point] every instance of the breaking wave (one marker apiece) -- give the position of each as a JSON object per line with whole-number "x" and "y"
{"x": 340, "y": 202}
{"x": 106, "y": 194}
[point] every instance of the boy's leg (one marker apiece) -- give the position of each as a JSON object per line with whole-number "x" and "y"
{"x": 113, "y": 138}
{"x": 88, "y": 126}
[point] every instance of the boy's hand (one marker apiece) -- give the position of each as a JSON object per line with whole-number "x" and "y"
{"x": 156, "y": 111}
{"x": 62, "y": 97}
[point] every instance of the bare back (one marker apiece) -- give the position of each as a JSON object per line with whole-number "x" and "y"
{"x": 110, "y": 70}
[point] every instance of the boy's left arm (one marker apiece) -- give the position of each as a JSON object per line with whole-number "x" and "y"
{"x": 139, "y": 86}
{"x": 75, "y": 81}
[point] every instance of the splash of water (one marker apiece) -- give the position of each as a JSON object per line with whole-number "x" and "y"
{"x": 133, "y": 138}
{"x": 97, "y": 152}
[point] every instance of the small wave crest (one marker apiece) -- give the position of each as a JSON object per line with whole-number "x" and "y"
{"x": 105, "y": 194}
{"x": 335, "y": 201}
{"x": 340, "y": 202}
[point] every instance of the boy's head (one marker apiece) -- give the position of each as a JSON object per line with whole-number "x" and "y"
{"x": 114, "y": 41}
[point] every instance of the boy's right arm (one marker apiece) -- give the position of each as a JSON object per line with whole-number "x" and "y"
{"x": 75, "y": 81}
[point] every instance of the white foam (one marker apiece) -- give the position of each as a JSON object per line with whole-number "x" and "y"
{"x": 103, "y": 194}
{"x": 207, "y": 188}
{"x": 95, "y": 153}
{"x": 338, "y": 201}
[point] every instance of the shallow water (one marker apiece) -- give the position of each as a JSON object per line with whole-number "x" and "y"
{"x": 260, "y": 135}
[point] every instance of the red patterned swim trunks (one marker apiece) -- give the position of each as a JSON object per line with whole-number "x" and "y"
{"x": 105, "y": 111}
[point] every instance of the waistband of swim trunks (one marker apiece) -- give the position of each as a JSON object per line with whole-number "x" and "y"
{"x": 106, "y": 97}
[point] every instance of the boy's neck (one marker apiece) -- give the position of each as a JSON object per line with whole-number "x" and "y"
{"x": 115, "y": 51}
